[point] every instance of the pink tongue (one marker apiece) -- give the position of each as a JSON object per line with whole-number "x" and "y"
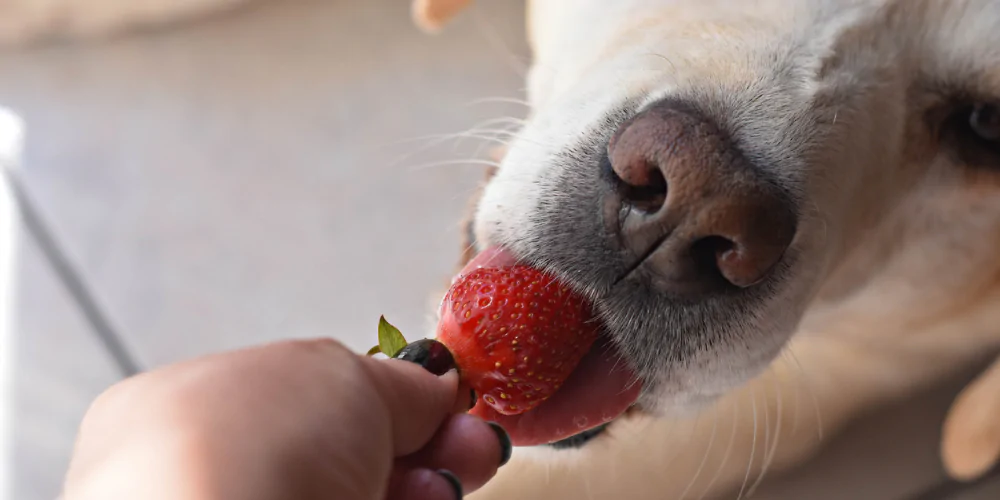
{"x": 599, "y": 390}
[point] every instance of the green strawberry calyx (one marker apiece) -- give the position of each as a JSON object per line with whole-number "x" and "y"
{"x": 390, "y": 339}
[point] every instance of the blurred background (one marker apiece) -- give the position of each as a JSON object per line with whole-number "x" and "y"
{"x": 286, "y": 169}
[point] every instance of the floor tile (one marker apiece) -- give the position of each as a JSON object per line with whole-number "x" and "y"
{"x": 239, "y": 180}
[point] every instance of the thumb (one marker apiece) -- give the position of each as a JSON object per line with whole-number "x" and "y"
{"x": 417, "y": 401}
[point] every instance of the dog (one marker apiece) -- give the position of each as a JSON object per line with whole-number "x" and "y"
{"x": 784, "y": 210}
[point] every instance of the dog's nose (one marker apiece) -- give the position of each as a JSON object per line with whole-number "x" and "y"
{"x": 691, "y": 207}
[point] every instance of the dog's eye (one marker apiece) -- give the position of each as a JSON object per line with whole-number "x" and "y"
{"x": 972, "y": 133}
{"x": 985, "y": 121}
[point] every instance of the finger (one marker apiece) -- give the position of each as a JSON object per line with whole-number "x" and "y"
{"x": 463, "y": 405}
{"x": 416, "y": 401}
{"x": 431, "y": 15}
{"x": 425, "y": 484}
{"x": 467, "y": 446}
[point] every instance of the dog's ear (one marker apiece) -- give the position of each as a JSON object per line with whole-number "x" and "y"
{"x": 468, "y": 231}
{"x": 432, "y": 15}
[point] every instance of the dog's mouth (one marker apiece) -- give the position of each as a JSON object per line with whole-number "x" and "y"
{"x": 601, "y": 388}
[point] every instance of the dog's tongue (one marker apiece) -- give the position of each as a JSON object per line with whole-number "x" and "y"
{"x": 599, "y": 390}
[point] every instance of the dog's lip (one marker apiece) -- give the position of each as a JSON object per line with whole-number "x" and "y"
{"x": 494, "y": 256}
{"x": 600, "y": 389}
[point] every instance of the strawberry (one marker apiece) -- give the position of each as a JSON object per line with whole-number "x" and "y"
{"x": 515, "y": 334}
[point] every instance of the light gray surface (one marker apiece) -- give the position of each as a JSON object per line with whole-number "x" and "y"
{"x": 236, "y": 181}
{"x": 59, "y": 368}
{"x": 233, "y": 181}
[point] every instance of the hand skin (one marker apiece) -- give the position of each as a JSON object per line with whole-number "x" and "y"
{"x": 308, "y": 420}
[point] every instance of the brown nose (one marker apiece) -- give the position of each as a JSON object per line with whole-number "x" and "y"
{"x": 690, "y": 208}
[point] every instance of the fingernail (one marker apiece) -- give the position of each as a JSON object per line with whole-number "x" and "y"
{"x": 472, "y": 398}
{"x": 505, "y": 446}
{"x": 430, "y": 354}
{"x": 452, "y": 479}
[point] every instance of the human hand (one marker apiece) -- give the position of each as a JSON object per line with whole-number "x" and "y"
{"x": 300, "y": 419}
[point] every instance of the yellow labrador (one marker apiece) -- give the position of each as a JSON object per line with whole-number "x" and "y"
{"x": 784, "y": 210}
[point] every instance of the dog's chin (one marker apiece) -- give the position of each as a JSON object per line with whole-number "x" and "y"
{"x": 677, "y": 392}
{"x": 686, "y": 404}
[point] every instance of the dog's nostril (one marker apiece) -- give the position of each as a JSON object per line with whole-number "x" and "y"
{"x": 707, "y": 254}
{"x": 640, "y": 184}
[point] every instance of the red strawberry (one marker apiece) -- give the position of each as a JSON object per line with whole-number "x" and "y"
{"x": 516, "y": 334}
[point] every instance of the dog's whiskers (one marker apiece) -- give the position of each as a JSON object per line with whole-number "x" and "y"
{"x": 588, "y": 488}
{"x": 673, "y": 67}
{"x": 704, "y": 458}
{"x": 445, "y": 163}
{"x": 508, "y": 130}
{"x": 683, "y": 448}
{"x": 470, "y": 247}
{"x": 502, "y": 100}
{"x": 498, "y": 137}
{"x": 769, "y": 454}
{"x": 671, "y": 440}
{"x": 510, "y": 121}
{"x": 753, "y": 444}
{"x": 785, "y": 357}
{"x": 490, "y": 135}
{"x": 484, "y": 126}
{"x": 812, "y": 393}
{"x": 487, "y": 29}
{"x": 477, "y": 131}
{"x": 729, "y": 450}
{"x": 767, "y": 434}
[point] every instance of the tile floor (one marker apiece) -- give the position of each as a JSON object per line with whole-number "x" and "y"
{"x": 242, "y": 179}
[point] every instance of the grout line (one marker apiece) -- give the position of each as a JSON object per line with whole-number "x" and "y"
{"x": 71, "y": 278}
